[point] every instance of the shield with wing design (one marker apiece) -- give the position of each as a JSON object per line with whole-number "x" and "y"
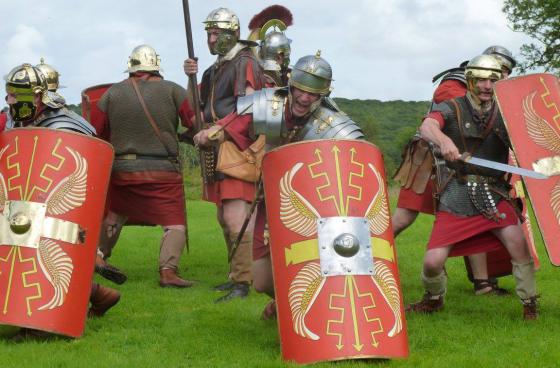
{"x": 530, "y": 106}
{"x": 52, "y": 195}
{"x": 335, "y": 271}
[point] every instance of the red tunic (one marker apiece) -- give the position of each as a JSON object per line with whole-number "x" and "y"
{"x": 469, "y": 235}
{"x": 424, "y": 202}
{"x": 148, "y": 197}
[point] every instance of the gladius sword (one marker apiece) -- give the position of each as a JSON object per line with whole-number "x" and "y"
{"x": 466, "y": 157}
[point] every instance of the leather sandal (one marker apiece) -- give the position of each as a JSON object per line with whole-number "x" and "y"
{"x": 488, "y": 287}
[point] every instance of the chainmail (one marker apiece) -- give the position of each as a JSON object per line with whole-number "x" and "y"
{"x": 131, "y": 131}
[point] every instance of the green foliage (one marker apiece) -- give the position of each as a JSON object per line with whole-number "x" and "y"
{"x": 388, "y": 124}
{"x": 540, "y": 19}
{"x": 76, "y": 108}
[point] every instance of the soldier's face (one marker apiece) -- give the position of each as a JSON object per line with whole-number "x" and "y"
{"x": 220, "y": 41}
{"x": 212, "y": 38}
{"x": 302, "y": 102}
{"x": 485, "y": 89}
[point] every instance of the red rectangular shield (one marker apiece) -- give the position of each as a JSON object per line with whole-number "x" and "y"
{"x": 530, "y": 106}
{"x": 53, "y": 185}
{"x": 335, "y": 269}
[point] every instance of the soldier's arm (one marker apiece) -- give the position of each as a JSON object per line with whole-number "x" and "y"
{"x": 431, "y": 131}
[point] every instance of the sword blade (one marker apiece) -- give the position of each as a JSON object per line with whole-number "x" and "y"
{"x": 503, "y": 167}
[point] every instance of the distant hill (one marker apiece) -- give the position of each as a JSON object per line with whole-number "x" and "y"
{"x": 388, "y": 124}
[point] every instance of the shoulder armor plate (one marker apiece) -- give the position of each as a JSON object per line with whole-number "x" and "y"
{"x": 457, "y": 75}
{"x": 65, "y": 119}
{"x": 327, "y": 123}
{"x": 268, "y": 112}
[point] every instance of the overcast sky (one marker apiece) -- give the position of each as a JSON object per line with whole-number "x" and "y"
{"x": 379, "y": 49}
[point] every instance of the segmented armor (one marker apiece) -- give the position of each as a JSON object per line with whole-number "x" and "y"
{"x": 268, "y": 109}
{"x": 64, "y": 119}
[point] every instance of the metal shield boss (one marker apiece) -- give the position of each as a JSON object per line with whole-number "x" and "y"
{"x": 530, "y": 106}
{"x": 335, "y": 270}
{"x": 52, "y": 196}
{"x": 90, "y": 111}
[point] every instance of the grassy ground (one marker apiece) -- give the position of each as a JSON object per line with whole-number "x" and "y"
{"x": 184, "y": 328}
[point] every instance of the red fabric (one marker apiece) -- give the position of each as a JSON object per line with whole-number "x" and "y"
{"x": 186, "y": 113}
{"x": 449, "y": 89}
{"x": 148, "y": 197}
{"x": 237, "y": 128}
{"x": 437, "y": 116}
{"x": 102, "y": 126}
{"x": 251, "y": 81}
{"x": 469, "y": 235}
{"x": 229, "y": 188}
{"x": 260, "y": 249}
{"x": 3, "y": 120}
{"x": 417, "y": 202}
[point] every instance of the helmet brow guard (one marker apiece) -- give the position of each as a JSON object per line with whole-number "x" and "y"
{"x": 222, "y": 18}
{"x": 312, "y": 74}
{"x": 143, "y": 58}
{"x": 483, "y": 67}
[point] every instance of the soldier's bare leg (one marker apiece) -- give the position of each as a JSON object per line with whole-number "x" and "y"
{"x": 110, "y": 231}
{"x": 523, "y": 267}
{"x": 232, "y": 215}
{"x": 402, "y": 218}
{"x": 263, "y": 281}
{"x": 434, "y": 280}
{"x": 172, "y": 244}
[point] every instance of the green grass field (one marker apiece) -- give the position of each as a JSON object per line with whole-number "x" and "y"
{"x": 154, "y": 327}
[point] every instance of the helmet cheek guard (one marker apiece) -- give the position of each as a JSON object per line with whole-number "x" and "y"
{"x": 225, "y": 42}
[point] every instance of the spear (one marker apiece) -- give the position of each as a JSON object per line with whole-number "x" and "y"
{"x": 198, "y": 126}
{"x": 192, "y": 78}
